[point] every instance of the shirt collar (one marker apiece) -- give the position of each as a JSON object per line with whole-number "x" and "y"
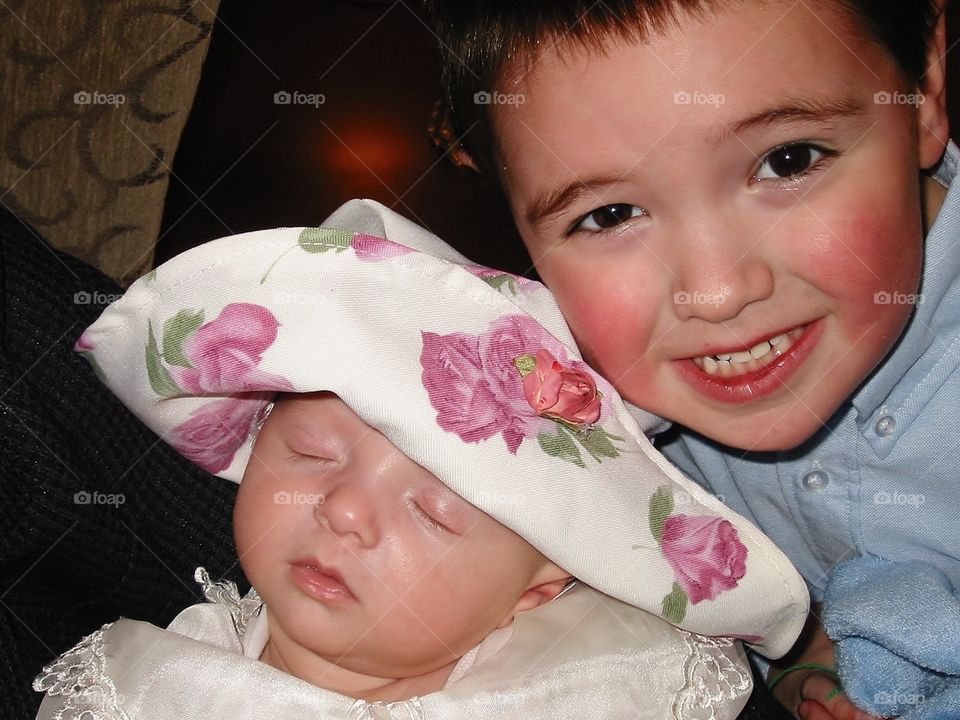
{"x": 941, "y": 267}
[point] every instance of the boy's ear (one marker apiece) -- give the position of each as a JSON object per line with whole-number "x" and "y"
{"x": 933, "y": 126}
{"x": 544, "y": 587}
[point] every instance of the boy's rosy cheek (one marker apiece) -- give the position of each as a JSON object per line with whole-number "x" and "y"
{"x": 860, "y": 256}
{"x": 611, "y": 321}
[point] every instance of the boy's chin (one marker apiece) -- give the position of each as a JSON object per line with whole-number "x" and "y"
{"x": 775, "y": 432}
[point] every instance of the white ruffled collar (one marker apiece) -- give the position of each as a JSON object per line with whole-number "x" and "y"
{"x": 583, "y": 655}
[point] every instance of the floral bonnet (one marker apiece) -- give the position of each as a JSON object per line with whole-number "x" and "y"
{"x": 470, "y": 372}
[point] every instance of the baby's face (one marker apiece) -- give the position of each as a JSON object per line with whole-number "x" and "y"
{"x": 746, "y": 178}
{"x": 364, "y": 558}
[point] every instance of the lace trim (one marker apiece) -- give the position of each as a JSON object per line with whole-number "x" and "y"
{"x": 411, "y": 709}
{"x": 713, "y": 679}
{"x": 224, "y": 592}
{"x": 78, "y": 676}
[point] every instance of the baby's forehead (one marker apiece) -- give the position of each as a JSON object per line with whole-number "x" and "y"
{"x": 324, "y": 416}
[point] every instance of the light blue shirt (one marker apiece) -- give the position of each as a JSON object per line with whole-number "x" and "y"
{"x": 883, "y": 476}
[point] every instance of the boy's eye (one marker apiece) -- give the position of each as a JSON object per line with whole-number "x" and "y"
{"x": 790, "y": 161}
{"x": 607, "y": 217}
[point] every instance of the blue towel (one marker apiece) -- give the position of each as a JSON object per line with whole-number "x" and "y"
{"x": 896, "y": 626}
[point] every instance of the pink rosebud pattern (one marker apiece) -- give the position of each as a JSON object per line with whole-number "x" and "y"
{"x": 500, "y": 280}
{"x": 83, "y": 343}
{"x": 213, "y": 434}
{"x": 223, "y": 354}
{"x": 477, "y": 389}
{"x": 705, "y": 552}
{"x": 561, "y": 393}
{"x": 368, "y": 248}
{"x": 218, "y": 357}
{"x": 371, "y": 248}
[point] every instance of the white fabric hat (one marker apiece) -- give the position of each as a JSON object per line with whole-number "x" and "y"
{"x": 470, "y": 372}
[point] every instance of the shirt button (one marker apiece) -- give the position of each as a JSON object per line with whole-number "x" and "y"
{"x": 885, "y": 425}
{"x": 815, "y": 480}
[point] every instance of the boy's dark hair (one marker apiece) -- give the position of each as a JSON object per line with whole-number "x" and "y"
{"x": 479, "y": 37}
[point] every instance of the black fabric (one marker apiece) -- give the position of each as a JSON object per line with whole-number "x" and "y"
{"x": 67, "y": 567}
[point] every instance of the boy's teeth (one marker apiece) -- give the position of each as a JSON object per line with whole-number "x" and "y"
{"x": 759, "y": 356}
{"x": 760, "y": 349}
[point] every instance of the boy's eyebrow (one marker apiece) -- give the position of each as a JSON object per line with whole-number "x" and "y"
{"x": 556, "y": 201}
{"x": 823, "y": 109}
{"x": 795, "y": 110}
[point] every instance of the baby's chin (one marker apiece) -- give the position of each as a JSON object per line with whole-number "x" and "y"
{"x": 389, "y": 683}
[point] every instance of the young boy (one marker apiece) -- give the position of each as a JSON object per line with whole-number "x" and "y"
{"x": 424, "y": 458}
{"x": 751, "y": 184}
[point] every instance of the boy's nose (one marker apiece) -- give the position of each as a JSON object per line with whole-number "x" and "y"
{"x": 347, "y": 509}
{"x": 717, "y": 286}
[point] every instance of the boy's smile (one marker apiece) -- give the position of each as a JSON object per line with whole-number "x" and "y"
{"x": 730, "y": 214}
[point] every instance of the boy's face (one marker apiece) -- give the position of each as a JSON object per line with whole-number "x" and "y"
{"x": 424, "y": 575}
{"x": 748, "y": 177}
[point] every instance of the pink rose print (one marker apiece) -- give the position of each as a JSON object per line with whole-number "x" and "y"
{"x": 477, "y": 389}
{"x": 370, "y": 248}
{"x": 214, "y": 433}
{"x": 561, "y": 393}
{"x": 224, "y": 353}
{"x": 705, "y": 553}
{"x": 498, "y": 279}
{"x": 316, "y": 241}
{"x": 454, "y": 378}
{"x": 83, "y": 343}
{"x": 219, "y": 357}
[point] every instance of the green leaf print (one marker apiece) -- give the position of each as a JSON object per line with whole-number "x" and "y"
{"x": 175, "y": 331}
{"x": 561, "y": 446}
{"x": 599, "y": 443}
{"x": 673, "y": 608}
{"x": 160, "y": 379}
{"x": 318, "y": 240}
{"x": 661, "y": 505}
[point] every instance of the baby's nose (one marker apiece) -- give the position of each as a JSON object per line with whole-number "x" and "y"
{"x": 348, "y": 510}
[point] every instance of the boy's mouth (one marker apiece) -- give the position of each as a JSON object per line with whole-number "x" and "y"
{"x": 743, "y": 361}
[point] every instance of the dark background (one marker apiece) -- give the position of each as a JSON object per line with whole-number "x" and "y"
{"x": 245, "y": 163}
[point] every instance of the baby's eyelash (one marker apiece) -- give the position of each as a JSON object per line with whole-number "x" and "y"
{"x": 434, "y": 523}
{"x": 304, "y": 457}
